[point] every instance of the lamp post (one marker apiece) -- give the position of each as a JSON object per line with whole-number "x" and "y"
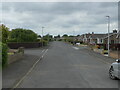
{"x": 73, "y": 37}
{"x": 108, "y": 17}
{"x": 42, "y": 36}
{"x": 48, "y": 38}
{"x": 118, "y": 38}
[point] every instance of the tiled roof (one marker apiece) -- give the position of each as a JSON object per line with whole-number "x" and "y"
{"x": 94, "y": 36}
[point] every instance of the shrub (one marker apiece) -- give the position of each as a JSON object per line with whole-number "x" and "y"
{"x": 45, "y": 43}
{"x": 4, "y": 54}
{"x": 12, "y": 40}
{"x": 60, "y": 40}
{"x": 21, "y": 50}
{"x": 102, "y": 47}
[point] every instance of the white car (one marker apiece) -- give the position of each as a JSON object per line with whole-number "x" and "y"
{"x": 114, "y": 71}
{"x": 77, "y": 43}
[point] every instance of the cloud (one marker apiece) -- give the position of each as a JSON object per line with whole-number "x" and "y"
{"x": 60, "y": 18}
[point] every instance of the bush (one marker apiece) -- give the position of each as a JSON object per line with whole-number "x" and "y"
{"x": 45, "y": 43}
{"x": 4, "y": 54}
{"x": 60, "y": 40}
{"x": 21, "y": 50}
{"x": 12, "y": 40}
{"x": 102, "y": 47}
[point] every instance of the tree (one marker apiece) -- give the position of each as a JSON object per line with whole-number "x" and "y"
{"x": 65, "y": 35}
{"x": 78, "y": 35}
{"x": 39, "y": 36}
{"x": 23, "y": 35}
{"x": 4, "y": 33}
{"x": 3, "y": 46}
{"x": 48, "y": 37}
{"x": 58, "y": 36}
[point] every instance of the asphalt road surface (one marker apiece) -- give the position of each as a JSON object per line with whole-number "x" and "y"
{"x": 67, "y": 66}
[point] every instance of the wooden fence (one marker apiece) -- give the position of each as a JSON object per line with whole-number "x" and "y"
{"x": 25, "y": 45}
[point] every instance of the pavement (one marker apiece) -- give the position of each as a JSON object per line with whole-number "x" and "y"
{"x": 62, "y": 66}
{"x": 15, "y": 71}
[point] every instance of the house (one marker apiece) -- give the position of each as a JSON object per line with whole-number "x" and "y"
{"x": 114, "y": 40}
{"x": 97, "y": 38}
{"x": 113, "y": 37}
{"x": 84, "y": 38}
{"x": 92, "y": 38}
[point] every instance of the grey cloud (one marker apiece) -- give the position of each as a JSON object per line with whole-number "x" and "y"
{"x": 60, "y": 15}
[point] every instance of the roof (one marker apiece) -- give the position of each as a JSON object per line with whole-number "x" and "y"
{"x": 94, "y": 36}
{"x": 111, "y": 35}
{"x": 118, "y": 35}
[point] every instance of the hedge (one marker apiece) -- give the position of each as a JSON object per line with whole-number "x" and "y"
{"x": 4, "y": 54}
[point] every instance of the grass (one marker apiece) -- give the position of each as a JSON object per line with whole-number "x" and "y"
{"x": 105, "y": 52}
{"x": 10, "y": 53}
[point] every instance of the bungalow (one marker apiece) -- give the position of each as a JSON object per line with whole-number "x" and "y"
{"x": 114, "y": 41}
{"x": 84, "y": 38}
{"x": 113, "y": 37}
{"x": 97, "y": 38}
{"x": 92, "y": 38}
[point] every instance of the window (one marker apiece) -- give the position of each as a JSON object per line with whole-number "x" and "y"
{"x": 112, "y": 41}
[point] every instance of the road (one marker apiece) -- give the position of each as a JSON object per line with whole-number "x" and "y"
{"x": 67, "y": 66}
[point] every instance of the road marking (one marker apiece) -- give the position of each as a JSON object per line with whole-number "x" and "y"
{"x": 30, "y": 70}
{"x": 76, "y": 48}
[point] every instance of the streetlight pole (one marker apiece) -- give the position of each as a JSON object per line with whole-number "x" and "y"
{"x": 108, "y": 17}
{"x": 48, "y": 38}
{"x": 118, "y": 38}
{"x": 42, "y": 36}
{"x": 73, "y": 37}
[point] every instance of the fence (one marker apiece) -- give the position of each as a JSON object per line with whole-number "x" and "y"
{"x": 112, "y": 46}
{"x": 25, "y": 45}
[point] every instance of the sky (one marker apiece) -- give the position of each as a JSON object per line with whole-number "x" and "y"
{"x": 70, "y": 18}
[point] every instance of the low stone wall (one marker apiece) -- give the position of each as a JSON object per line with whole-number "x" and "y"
{"x": 98, "y": 50}
{"x": 15, "y": 57}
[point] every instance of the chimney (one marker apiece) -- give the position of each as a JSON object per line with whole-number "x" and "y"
{"x": 115, "y": 31}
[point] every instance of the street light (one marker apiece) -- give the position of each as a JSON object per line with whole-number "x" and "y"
{"x": 73, "y": 37}
{"x": 42, "y": 36}
{"x": 118, "y": 37}
{"x": 108, "y": 17}
{"x": 48, "y": 38}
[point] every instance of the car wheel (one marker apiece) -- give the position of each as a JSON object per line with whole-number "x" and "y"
{"x": 111, "y": 73}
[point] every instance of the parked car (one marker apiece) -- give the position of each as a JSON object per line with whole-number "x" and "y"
{"x": 77, "y": 43}
{"x": 114, "y": 71}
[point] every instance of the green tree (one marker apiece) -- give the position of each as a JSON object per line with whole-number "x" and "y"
{"x": 3, "y": 46}
{"x": 65, "y": 35}
{"x": 4, "y": 33}
{"x": 48, "y": 37}
{"x": 23, "y": 35}
{"x": 58, "y": 36}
